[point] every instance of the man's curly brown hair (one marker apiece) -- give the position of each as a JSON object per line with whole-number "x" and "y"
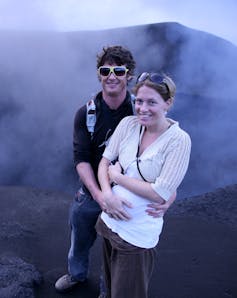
{"x": 117, "y": 55}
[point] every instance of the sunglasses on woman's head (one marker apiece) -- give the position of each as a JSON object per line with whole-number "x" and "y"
{"x": 154, "y": 78}
{"x": 119, "y": 71}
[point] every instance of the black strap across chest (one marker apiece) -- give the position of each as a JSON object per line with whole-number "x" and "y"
{"x": 137, "y": 155}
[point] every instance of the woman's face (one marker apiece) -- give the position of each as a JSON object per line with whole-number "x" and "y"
{"x": 150, "y": 106}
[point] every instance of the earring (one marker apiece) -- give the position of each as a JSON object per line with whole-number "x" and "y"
{"x": 165, "y": 113}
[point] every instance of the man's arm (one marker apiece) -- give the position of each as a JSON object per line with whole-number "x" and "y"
{"x": 158, "y": 210}
{"x": 82, "y": 156}
{"x": 87, "y": 177}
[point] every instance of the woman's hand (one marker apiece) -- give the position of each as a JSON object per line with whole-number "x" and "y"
{"x": 115, "y": 206}
{"x": 114, "y": 171}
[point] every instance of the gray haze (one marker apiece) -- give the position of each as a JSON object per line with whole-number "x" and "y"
{"x": 217, "y": 17}
{"x": 45, "y": 77}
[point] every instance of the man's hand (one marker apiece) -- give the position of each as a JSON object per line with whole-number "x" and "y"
{"x": 156, "y": 209}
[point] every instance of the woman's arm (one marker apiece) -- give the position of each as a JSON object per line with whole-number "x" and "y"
{"x": 114, "y": 204}
{"x": 136, "y": 186}
{"x": 103, "y": 176}
{"x": 170, "y": 177}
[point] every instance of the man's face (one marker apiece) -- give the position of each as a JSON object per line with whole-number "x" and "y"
{"x": 113, "y": 81}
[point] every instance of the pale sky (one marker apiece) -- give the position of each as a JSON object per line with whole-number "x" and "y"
{"x": 215, "y": 16}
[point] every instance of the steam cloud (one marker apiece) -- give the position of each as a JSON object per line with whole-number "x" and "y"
{"x": 45, "y": 77}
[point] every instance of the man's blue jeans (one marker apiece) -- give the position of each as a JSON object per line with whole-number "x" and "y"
{"x": 83, "y": 216}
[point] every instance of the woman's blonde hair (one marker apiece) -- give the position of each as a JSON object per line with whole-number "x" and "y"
{"x": 165, "y": 86}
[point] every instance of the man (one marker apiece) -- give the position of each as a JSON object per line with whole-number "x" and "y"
{"x": 115, "y": 67}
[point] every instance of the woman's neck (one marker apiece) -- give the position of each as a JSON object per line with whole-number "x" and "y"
{"x": 151, "y": 134}
{"x": 159, "y": 128}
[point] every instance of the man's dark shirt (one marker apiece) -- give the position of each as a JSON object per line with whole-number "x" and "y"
{"x": 91, "y": 150}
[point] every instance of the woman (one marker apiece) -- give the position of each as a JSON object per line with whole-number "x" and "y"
{"x": 153, "y": 154}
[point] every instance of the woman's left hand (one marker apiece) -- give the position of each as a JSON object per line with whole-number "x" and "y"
{"x": 114, "y": 170}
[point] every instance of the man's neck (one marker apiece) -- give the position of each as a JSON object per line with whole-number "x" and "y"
{"x": 114, "y": 101}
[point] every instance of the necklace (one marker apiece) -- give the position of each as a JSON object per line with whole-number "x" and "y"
{"x": 137, "y": 155}
{"x": 138, "y": 150}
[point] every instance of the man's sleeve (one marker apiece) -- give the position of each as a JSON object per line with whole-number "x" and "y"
{"x": 81, "y": 138}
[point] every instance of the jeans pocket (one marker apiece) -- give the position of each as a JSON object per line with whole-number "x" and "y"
{"x": 80, "y": 198}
